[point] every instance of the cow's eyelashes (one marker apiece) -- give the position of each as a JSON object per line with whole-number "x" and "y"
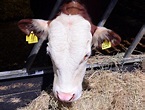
{"x": 87, "y": 55}
{"x": 85, "y": 58}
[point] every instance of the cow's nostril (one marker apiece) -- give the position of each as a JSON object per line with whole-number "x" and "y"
{"x": 67, "y": 97}
{"x": 72, "y": 97}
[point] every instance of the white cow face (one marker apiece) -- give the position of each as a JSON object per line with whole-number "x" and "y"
{"x": 69, "y": 47}
{"x": 70, "y": 36}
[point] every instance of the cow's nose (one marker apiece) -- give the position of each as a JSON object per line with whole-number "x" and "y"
{"x": 66, "y": 97}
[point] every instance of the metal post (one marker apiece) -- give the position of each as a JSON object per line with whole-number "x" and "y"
{"x": 33, "y": 54}
{"x": 55, "y": 9}
{"x": 37, "y": 46}
{"x": 135, "y": 42}
{"x": 107, "y": 12}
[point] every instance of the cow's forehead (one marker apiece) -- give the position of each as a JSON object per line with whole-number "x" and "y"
{"x": 72, "y": 29}
{"x": 69, "y": 41}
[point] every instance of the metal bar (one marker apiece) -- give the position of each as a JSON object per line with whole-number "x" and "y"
{"x": 23, "y": 73}
{"x": 135, "y": 42}
{"x": 107, "y": 12}
{"x": 37, "y": 46}
{"x": 123, "y": 61}
{"x": 12, "y": 74}
{"x": 33, "y": 54}
{"x": 41, "y": 71}
{"x": 55, "y": 9}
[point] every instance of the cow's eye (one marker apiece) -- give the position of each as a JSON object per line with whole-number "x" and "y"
{"x": 86, "y": 56}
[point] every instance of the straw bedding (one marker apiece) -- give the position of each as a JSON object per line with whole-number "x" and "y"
{"x": 103, "y": 90}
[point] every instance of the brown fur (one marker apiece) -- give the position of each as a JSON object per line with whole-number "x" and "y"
{"x": 75, "y": 8}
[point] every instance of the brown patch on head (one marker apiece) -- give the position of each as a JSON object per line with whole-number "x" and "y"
{"x": 72, "y": 8}
{"x": 75, "y": 8}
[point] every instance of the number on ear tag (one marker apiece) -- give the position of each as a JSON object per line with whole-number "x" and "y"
{"x": 31, "y": 38}
{"x": 106, "y": 44}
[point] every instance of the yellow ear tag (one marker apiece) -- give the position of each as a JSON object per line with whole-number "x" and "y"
{"x": 31, "y": 38}
{"x": 106, "y": 44}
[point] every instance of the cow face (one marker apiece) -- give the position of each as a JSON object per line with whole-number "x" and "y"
{"x": 69, "y": 47}
{"x": 70, "y": 37}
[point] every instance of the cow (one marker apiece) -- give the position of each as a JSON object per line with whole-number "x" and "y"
{"x": 71, "y": 35}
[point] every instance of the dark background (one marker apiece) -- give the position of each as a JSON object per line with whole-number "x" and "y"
{"x": 126, "y": 19}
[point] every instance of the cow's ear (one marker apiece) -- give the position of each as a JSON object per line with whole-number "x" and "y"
{"x": 39, "y": 27}
{"x": 102, "y": 34}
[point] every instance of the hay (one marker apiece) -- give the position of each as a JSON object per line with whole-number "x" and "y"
{"x": 104, "y": 90}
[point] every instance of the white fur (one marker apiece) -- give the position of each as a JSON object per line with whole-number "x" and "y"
{"x": 100, "y": 34}
{"x": 41, "y": 25}
{"x": 69, "y": 41}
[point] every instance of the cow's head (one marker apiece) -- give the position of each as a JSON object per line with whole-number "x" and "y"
{"x": 70, "y": 37}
